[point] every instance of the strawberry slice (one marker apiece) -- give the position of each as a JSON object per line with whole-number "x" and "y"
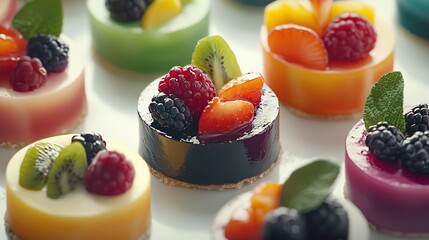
{"x": 246, "y": 87}
{"x": 12, "y": 47}
{"x": 226, "y": 119}
{"x": 322, "y": 9}
{"x": 299, "y": 45}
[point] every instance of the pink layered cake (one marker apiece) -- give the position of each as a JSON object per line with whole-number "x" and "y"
{"x": 387, "y": 161}
{"x": 42, "y": 88}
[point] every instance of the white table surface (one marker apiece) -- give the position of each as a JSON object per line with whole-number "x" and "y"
{"x": 187, "y": 214}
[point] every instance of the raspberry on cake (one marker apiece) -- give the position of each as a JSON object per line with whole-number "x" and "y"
{"x": 321, "y": 60}
{"x": 146, "y": 36}
{"x": 38, "y": 64}
{"x": 207, "y": 125}
{"x": 53, "y": 193}
{"x": 387, "y": 160}
{"x": 292, "y": 210}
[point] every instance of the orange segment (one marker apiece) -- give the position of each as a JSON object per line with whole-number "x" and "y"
{"x": 321, "y": 9}
{"x": 299, "y": 45}
{"x": 246, "y": 87}
{"x": 159, "y": 12}
{"x": 288, "y": 11}
{"x": 358, "y": 7}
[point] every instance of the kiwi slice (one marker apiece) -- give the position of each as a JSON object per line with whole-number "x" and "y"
{"x": 67, "y": 170}
{"x": 37, "y": 162}
{"x": 214, "y": 57}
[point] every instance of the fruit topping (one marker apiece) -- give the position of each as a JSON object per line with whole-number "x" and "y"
{"x": 385, "y": 141}
{"x": 109, "y": 174}
{"x": 299, "y": 45}
{"x": 67, "y": 171}
{"x": 37, "y": 162}
{"x": 288, "y": 12}
{"x": 92, "y": 142}
{"x": 126, "y": 10}
{"x": 52, "y": 51}
{"x": 247, "y": 87}
{"x": 190, "y": 85}
{"x": 417, "y": 119}
{"x": 352, "y": 6}
{"x": 169, "y": 112}
{"x": 214, "y": 57}
{"x": 328, "y": 221}
{"x": 285, "y": 223}
{"x": 28, "y": 74}
{"x": 349, "y": 37}
{"x": 160, "y": 12}
{"x": 321, "y": 10}
{"x": 229, "y": 119}
{"x": 12, "y": 47}
{"x": 415, "y": 157}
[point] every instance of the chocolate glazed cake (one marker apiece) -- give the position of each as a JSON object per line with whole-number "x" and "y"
{"x": 188, "y": 162}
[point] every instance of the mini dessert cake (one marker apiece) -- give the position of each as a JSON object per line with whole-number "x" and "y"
{"x": 81, "y": 186}
{"x": 42, "y": 88}
{"x": 386, "y": 161}
{"x": 147, "y": 36}
{"x": 194, "y": 136}
{"x": 314, "y": 68}
{"x": 291, "y": 210}
{"x": 412, "y": 15}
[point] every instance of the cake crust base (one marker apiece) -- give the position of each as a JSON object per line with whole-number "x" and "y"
{"x": 173, "y": 182}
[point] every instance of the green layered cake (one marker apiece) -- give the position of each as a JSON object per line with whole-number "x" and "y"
{"x": 126, "y": 45}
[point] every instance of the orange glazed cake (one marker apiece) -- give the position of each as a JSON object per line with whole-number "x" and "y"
{"x": 322, "y": 59}
{"x": 42, "y": 87}
{"x": 77, "y": 187}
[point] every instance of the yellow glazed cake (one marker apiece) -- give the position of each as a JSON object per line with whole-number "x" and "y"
{"x": 78, "y": 214}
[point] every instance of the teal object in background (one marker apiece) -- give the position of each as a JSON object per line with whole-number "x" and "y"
{"x": 413, "y": 15}
{"x": 256, "y": 2}
{"x": 128, "y": 47}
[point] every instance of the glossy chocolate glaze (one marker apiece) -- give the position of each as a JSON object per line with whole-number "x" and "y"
{"x": 215, "y": 163}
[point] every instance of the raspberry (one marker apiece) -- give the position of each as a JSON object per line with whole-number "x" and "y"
{"x": 126, "y": 10}
{"x": 52, "y": 51}
{"x": 191, "y": 85}
{"x": 417, "y": 119}
{"x": 170, "y": 112}
{"x": 28, "y": 74}
{"x": 415, "y": 157}
{"x": 92, "y": 142}
{"x": 349, "y": 37}
{"x": 385, "y": 141}
{"x": 328, "y": 221}
{"x": 110, "y": 173}
{"x": 284, "y": 223}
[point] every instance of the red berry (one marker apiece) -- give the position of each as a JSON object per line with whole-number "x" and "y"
{"x": 28, "y": 74}
{"x": 246, "y": 87}
{"x": 12, "y": 47}
{"x": 225, "y": 118}
{"x": 349, "y": 37}
{"x": 110, "y": 173}
{"x": 191, "y": 85}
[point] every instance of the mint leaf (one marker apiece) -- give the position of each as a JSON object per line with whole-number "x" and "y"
{"x": 39, "y": 16}
{"x": 308, "y": 186}
{"x": 385, "y": 101}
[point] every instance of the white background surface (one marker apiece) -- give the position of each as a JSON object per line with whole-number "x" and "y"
{"x": 187, "y": 214}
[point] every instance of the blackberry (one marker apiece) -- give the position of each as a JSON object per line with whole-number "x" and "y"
{"x": 93, "y": 143}
{"x": 417, "y": 119}
{"x": 126, "y": 10}
{"x": 284, "y": 223}
{"x": 385, "y": 141}
{"x": 169, "y": 112}
{"x": 415, "y": 156}
{"x": 328, "y": 221}
{"x": 52, "y": 51}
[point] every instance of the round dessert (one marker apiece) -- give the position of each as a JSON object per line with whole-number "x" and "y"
{"x": 292, "y": 210}
{"x": 412, "y": 15}
{"x": 73, "y": 209}
{"x": 28, "y": 116}
{"x": 127, "y": 46}
{"x": 309, "y": 77}
{"x": 188, "y": 162}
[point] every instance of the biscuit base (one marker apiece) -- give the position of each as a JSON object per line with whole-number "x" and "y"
{"x": 174, "y": 182}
